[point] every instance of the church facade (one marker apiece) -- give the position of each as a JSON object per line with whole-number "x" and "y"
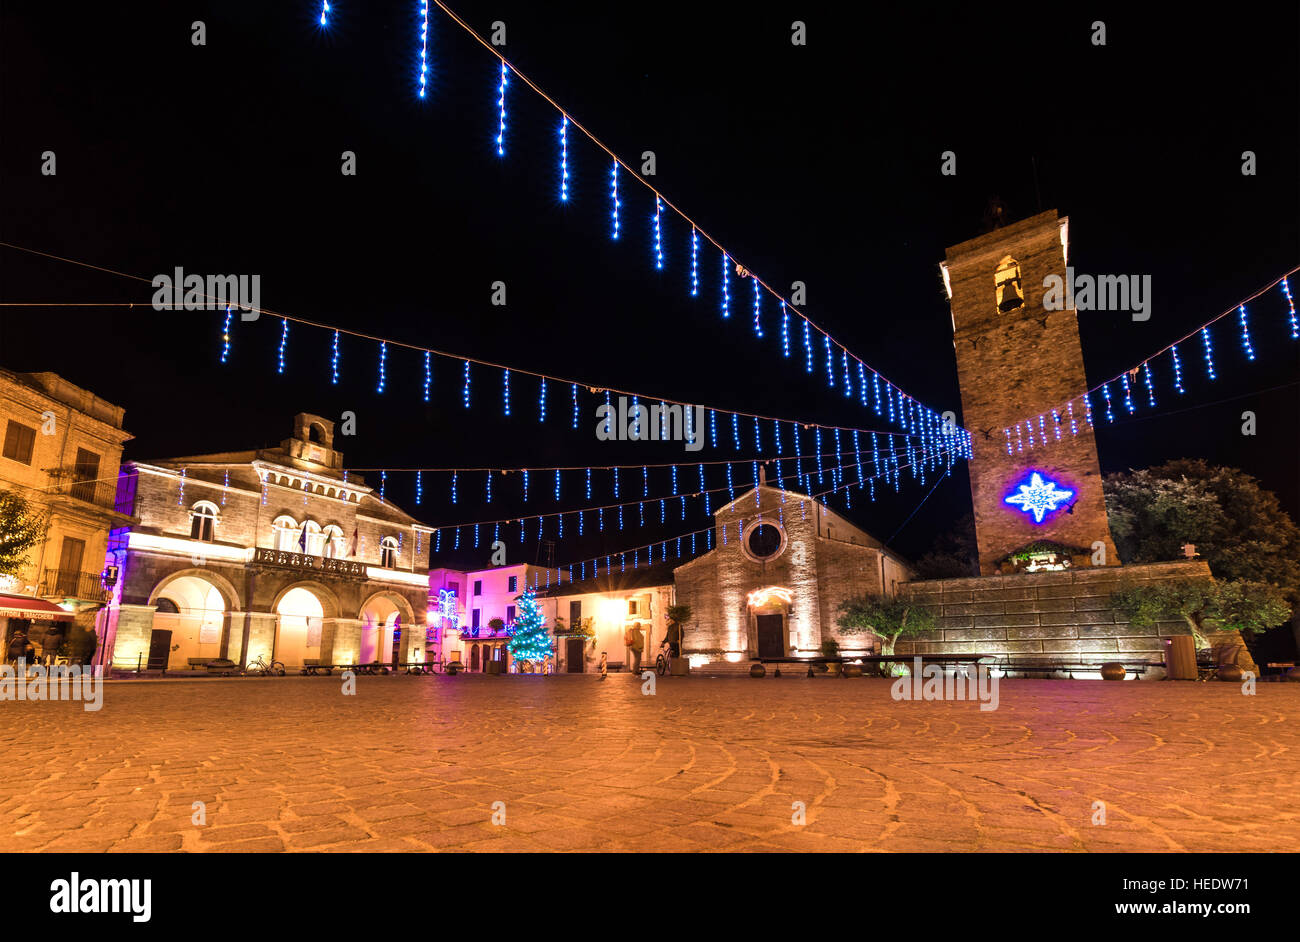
{"x": 276, "y": 553}
{"x": 781, "y": 564}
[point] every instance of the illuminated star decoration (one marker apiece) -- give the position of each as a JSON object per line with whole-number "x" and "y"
{"x": 1038, "y": 497}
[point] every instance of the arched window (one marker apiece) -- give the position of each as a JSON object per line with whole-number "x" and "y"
{"x": 388, "y": 552}
{"x": 1007, "y": 286}
{"x": 315, "y": 540}
{"x": 203, "y": 521}
{"x": 316, "y": 433}
{"x": 285, "y": 530}
{"x": 333, "y": 537}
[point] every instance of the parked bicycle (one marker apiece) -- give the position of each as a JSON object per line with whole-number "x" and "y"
{"x": 260, "y": 667}
{"x": 664, "y": 662}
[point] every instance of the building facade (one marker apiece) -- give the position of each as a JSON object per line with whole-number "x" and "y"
{"x": 781, "y": 564}
{"x": 62, "y": 446}
{"x": 277, "y": 553}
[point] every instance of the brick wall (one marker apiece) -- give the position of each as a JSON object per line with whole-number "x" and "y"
{"x": 1017, "y": 365}
{"x": 1046, "y": 615}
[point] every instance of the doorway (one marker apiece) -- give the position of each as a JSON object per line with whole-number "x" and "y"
{"x": 771, "y": 635}
{"x": 573, "y": 655}
{"x": 160, "y": 649}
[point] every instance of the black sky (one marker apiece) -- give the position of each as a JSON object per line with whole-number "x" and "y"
{"x": 817, "y": 163}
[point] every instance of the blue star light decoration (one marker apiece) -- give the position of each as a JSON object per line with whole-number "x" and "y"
{"x": 1039, "y": 496}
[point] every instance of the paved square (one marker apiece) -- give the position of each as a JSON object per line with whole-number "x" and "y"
{"x": 416, "y": 763}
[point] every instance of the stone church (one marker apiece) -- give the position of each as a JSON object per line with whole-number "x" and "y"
{"x": 781, "y": 564}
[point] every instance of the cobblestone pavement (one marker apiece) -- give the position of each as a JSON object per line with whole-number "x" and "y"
{"x": 416, "y": 763}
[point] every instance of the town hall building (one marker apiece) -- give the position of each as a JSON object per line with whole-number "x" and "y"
{"x": 275, "y": 553}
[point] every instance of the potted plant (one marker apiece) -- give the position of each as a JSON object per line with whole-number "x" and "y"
{"x": 831, "y": 648}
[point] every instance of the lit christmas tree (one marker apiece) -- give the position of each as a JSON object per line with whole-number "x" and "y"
{"x": 530, "y": 640}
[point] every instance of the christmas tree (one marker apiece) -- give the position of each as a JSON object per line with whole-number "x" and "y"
{"x": 529, "y": 641}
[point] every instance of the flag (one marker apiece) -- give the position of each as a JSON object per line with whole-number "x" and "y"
{"x": 302, "y": 539}
{"x": 353, "y": 550}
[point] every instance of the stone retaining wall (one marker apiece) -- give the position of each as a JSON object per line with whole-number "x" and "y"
{"x": 1047, "y": 616}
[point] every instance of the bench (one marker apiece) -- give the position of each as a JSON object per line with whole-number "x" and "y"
{"x": 954, "y": 659}
{"x": 1069, "y": 667}
{"x": 195, "y": 663}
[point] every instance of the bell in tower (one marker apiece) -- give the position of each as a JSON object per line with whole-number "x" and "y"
{"x": 1006, "y": 281}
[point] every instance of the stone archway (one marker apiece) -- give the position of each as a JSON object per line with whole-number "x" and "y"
{"x": 192, "y": 615}
{"x": 301, "y": 610}
{"x": 387, "y": 626}
{"x": 769, "y": 621}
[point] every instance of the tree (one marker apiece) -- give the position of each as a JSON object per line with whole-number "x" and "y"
{"x": 890, "y": 618}
{"x": 1205, "y": 605}
{"x": 677, "y": 615}
{"x": 21, "y": 528}
{"x": 953, "y": 555}
{"x": 529, "y": 639}
{"x": 1239, "y": 528}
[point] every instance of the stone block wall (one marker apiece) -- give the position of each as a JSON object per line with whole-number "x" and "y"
{"x": 1050, "y": 616}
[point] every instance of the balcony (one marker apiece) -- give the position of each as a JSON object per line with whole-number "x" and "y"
{"x": 102, "y": 494}
{"x": 281, "y": 559}
{"x": 72, "y": 584}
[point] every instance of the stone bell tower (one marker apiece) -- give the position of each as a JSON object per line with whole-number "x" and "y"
{"x": 1017, "y": 360}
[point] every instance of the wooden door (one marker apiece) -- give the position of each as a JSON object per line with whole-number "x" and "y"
{"x": 160, "y": 649}
{"x": 573, "y": 655}
{"x": 770, "y": 629}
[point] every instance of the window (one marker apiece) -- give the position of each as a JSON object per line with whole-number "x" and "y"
{"x": 474, "y": 617}
{"x": 510, "y": 614}
{"x": 70, "y": 554}
{"x": 478, "y": 586}
{"x": 454, "y": 588}
{"x": 203, "y": 521}
{"x": 765, "y": 541}
{"x": 20, "y": 441}
{"x": 85, "y": 472}
{"x": 285, "y": 531}
{"x": 1006, "y": 285}
{"x": 332, "y": 536}
{"x": 314, "y": 544}
{"x": 633, "y": 607}
{"x": 514, "y": 584}
{"x": 575, "y": 613}
{"x": 388, "y": 552}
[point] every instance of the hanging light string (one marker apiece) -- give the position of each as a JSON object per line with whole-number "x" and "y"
{"x": 728, "y": 258}
{"x": 888, "y": 463}
{"x": 1202, "y": 334}
{"x": 536, "y": 469}
{"x": 468, "y": 361}
{"x": 768, "y": 515}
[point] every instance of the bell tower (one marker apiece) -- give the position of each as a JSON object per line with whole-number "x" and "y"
{"x": 1017, "y": 360}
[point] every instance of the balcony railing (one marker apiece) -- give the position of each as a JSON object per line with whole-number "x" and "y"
{"x": 289, "y": 560}
{"x": 71, "y": 584}
{"x": 100, "y": 493}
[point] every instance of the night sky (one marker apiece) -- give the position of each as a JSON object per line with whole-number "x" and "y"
{"x": 817, "y": 163}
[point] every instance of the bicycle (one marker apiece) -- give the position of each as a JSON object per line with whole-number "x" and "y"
{"x": 259, "y": 666}
{"x": 663, "y": 663}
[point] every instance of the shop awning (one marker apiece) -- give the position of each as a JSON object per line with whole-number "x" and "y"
{"x": 22, "y": 606}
